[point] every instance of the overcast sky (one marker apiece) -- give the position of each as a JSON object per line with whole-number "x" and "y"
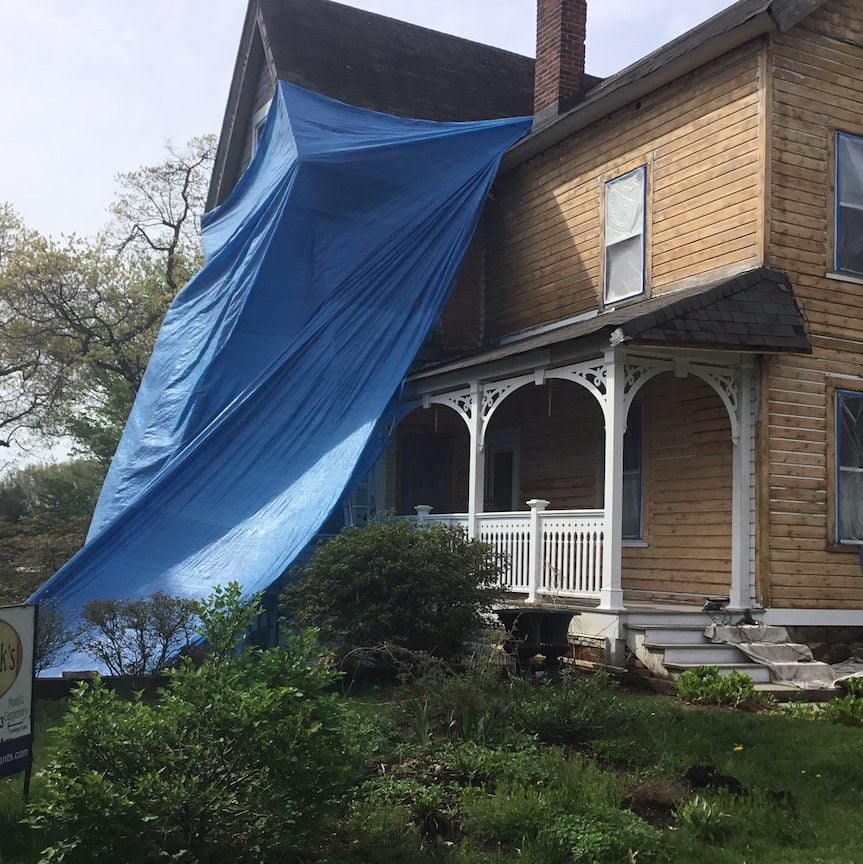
{"x": 94, "y": 87}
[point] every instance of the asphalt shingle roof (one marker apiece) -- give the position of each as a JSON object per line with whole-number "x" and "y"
{"x": 755, "y": 311}
{"x": 387, "y": 65}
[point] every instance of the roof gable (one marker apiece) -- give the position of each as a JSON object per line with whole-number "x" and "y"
{"x": 383, "y": 64}
{"x": 367, "y": 60}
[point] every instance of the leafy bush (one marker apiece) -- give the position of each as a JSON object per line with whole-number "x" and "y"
{"x": 706, "y": 819}
{"x": 705, "y": 685}
{"x": 602, "y": 838}
{"x": 137, "y": 637}
{"x": 573, "y": 710}
{"x": 442, "y": 703}
{"x": 236, "y": 760}
{"x": 389, "y": 583}
{"x": 847, "y": 710}
{"x": 852, "y": 686}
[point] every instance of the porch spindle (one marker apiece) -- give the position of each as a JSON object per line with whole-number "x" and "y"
{"x": 536, "y": 552}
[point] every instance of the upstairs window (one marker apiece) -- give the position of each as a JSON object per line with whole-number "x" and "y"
{"x": 624, "y": 235}
{"x": 849, "y": 456}
{"x": 849, "y": 204}
{"x": 259, "y": 126}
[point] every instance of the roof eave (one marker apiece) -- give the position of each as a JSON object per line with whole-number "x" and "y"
{"x": 606, "y": 102}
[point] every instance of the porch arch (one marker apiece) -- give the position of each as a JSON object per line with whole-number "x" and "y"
{"x": 687, "y": 476}
{"x": 589, "y": 376}
{"x": 723, "y": 383}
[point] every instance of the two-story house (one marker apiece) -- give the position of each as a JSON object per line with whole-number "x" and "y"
{"x": 647, "y": 388}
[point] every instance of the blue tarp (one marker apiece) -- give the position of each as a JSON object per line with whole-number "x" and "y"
{"x": 326, "y": 269}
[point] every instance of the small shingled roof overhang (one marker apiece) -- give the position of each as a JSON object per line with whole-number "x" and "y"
{"x": 755, "y": 311}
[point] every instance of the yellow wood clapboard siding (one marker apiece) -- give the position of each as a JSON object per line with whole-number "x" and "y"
{"x": 699, "y": 138}
{"x": 817, "y": 89}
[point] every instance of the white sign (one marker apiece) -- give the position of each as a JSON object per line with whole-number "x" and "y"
{"x": 17, "y": 642}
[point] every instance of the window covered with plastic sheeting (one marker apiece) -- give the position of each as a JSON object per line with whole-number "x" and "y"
{"x": 849, "y": 454}
{"x": 624, "y": 235}
{"x": 849, "y": 203}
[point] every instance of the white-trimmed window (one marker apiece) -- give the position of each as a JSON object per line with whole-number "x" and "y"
{"x": 259, "y": 124}
{"x": 848, "y": 253}
{"x": 849, "y": 467}
{"x": 624, "y": 235}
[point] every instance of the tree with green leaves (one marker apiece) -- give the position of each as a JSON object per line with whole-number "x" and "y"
{"x": 79, "y": 317}
{"x": 45, "y": 512}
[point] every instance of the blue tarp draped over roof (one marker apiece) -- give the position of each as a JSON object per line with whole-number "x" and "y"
{"x": 326, "y": 268}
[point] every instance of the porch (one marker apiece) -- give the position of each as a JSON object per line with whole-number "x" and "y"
{"x": 635, "y": 468}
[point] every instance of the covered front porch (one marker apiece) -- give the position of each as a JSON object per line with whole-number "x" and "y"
{"x": 621, "y": 478}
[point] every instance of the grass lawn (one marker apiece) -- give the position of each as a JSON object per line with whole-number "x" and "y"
{"x": 477, "y": 770}
{"x": 575, "y": 775}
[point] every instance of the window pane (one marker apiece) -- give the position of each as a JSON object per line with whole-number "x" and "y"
{"x": 849, "y": 247}
{"x": 624, "y": 270}
{"x": 850, "y": 506}
{"x": 849, "y": 448}
{"x": 849, "y": 203}
{"x": 850, "y": 423}
{"x": 624, "y": 207}
{"x": 633, "y": 440}
{"x": 631, "y": 507}
{"x": 849, "y": 155}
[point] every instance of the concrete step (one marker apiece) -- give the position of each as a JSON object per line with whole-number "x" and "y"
{"x": 678, "y": 634}
{"x": 648, "y": 618}
{"x": 705, "y": 654}
{"x": 758, "y": 674}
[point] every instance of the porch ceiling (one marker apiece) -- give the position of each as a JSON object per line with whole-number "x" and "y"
{"x": 755, "y": 311}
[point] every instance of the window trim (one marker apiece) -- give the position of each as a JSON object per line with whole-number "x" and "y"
{"x": 837, "y": 221}
{"x": 839, "y": 392}
{"x": 606, "y": 183}
{"x": 259, "y": 123}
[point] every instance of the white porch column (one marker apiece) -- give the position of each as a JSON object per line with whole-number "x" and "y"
{"x": 534, "y": 564}
{"x": 740, "y": 596}
{"x": 476, "y": 472}
{"x": 611, "y": 594}
{"x": 423, "y": 513}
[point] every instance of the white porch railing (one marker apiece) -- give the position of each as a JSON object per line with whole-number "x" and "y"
{"x": 569, "y": 544}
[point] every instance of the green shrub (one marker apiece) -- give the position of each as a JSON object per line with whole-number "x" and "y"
{"x": 852, "y": 686}
{"x": 705, "y": 819}
{"x": 515, "y": 814}
{"x": 379, "y": 833}
{"x": 442, "y": 703}
{"x": 573, "y": 710}
{"x": 236, "y": 760}
{"x": 388, "y": 583}
{"x": 705, "y": 685}
{"x": 431, "y": 805}
{"x": 613, "y": 837}
{"x": 847, "y": 710}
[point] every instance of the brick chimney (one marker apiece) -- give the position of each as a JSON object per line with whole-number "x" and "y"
{"x": 561, "y": 28}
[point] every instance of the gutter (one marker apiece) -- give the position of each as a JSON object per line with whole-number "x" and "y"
{"x": 602, "y": 104}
